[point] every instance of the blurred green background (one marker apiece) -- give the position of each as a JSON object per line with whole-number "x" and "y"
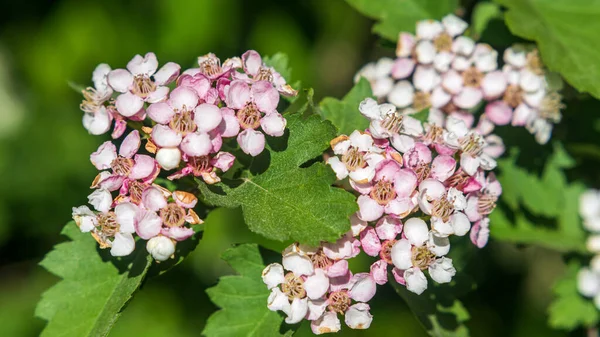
{"x": 45, "y": 168}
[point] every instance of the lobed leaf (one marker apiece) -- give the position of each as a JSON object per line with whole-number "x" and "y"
{"x": 242, "y": 298}
{"x": 569, "y": 309}
{"x": 286, "y": 201}
{"x": 93, "y": 290}
{"x": 566, "y": 34}
{"x": 344, "y": 113}
{"x": 549, "y": 198}
{"x": 395, "y": 16}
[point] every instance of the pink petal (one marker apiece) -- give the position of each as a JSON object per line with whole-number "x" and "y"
{"x": 273, "y": 124}
{"x": 387, "y": 170}
{"x": 388, "y": 228}
{"x": 148, "y": 224}
{"x": 130, "y": 144}
{"x": 223, "y": 161}
{"x": 338, "y": 268}
{"x": 493, "y": 84}
{"x": 120, "y": 80}
{"x": 369, "y": 209}
{"x": 230, "y": 125}
{"x": 167, "y": 73}
{"x": 97, "y": 123}
{"x": 316, "y": 285}
{"x": 178, "y": 233}
{"x": 468, "y": 98}
{"x": 252, "y": 62}
{"x": 164, "y": 136}
{"x": 103, "y": 157}
{"x": 146, "y": 65}
{"x": 158, "y": 95}
{"x": 370, "y": 241}
{"x": 183, "y": 98}
{"x": 128, "y": 104}
{"x": 265, "y": 96}
{"x": 196, "y": 144}
{"x": 480, "y": 233}
{"x": 153, "y": 199}
{"x": 207, "y": 117}
{"x": 198, "y": 82}
{"x": 404, "y": 47}
{"x": 443, "y": 167}
{"x": 143, "y": 168}
{"x": 499, "y": 112}
{"x": 238, "y": 95}
{"x": 452, "y": 82}
{"x": 403, "y": 67}
{"x": 251, "y": 142}
{"x": 112, "y": 182}
{"x": 161, "y": 113}
{"x": 364, "y": 287}
{"x": 379, "y": 272}
{"x": 405, "y": 182}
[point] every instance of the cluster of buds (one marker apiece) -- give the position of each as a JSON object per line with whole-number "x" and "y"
{"x": 442, "y": 69}
{"x": 588, "y": 278}
{"x": 184, "y": 119}
{"x": 417, "y": 185}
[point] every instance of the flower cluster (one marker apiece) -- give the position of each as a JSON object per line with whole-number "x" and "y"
{"x": 417, "y": 185}
{"x": 588, "y": 278}
{"x": 184, "y": 119}
{"x": 441, "y": 69}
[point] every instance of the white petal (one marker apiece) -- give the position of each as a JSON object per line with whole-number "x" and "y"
{"x": 454, "y": 25}
{"x": 416, "y": 231}
{"x": 428, "y": 29}
{"x": 442, "y": 270}
{"x": 122, "y": 245}
{"x": 358, "y": 316}
{"x": 316, "y": 285}
{"x": 402, "y": 94}
{"x": 426, "y": 78}
{"x": 298, "y": 264}
{"x": 328, "y": 323}
{"x": 278, "y": 301}
{"x": 415, "y": 280}
{"x": 588, "y": 282}
{"x": 425, "y": 52}
{"x": 101, "y": 199}
{"x": 438, "y": 244}
{"x": 126, "y": 213}
{"x": 272, "y": 275}
{"x": 168, "y": 157}
{"x": 160, "y": 247}
{"x": 298, "y": 310}
{"x": 402, "y": 254}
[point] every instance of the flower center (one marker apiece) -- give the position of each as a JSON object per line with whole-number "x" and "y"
{"x": 386, "y": 251}
{"x": 91, "y": 100}
{"x": 472, "y": 144}
{"x": 486, "y": 203}
{"x": 293, "y": 286}
{"x": 173, "y": 215}
{"x": 264, "y": 74}
{"x": 211, "y": 66}
{"x": 422, "y": 257}
{"x": 550, "y": 107}
{"x": 200, "y": 164}
{"x": 383, "y": 192}
{"x": 449, "y": 108}
{"x": 434, "y": 134}
{"x": 354, "y": 159}
{"x": 472, "y": 77}
{"x": 442, "y": 208}
{"x": 458, "y": 180}
{"x": 183, "y": 122}
{"x": 513, "y": 96}
{"x": 136, "y": 189}
{"x": 534, "y": 62}
{"x": 320, "y": 260}
{"x": 122, "y": 166}
{"x": 421, "y": 100}
{"x": 392, "y": 122}
{"x": 422, "y": 171}
{"x": 249, "y": 116}
{"x": 108, "y": 224}
{"x": 443, "y": 42}
{"x": 339, "y": 301}
{"x": 143, "y": 86}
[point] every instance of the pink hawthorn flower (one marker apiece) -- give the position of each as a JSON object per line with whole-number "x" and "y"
{"x": 379, "y": 76}
{"x": 96, "y": 117}
{"x": 386, "y": 121}
{"x": 255, "y": 106}
{"x": 356, "y": 157}
{"x": 481, "y": 203}
{"x": 445, "y": 207}
{"x": 531, "y": 98}
{"x": 205, "y": 167}
{"x": 419, "y": 250}
{"x": 470, "y": 144}
{"x": 126, "y": 165}
{"x": 110, "y": 228}
{"x": 256, "y": 70}
{"x": 141, "y": 82}
{"x": 389, "y": 192}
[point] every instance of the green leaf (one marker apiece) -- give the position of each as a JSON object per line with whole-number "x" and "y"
{"x": 242, "y": 298}
{"x": 344, "y": 114}
{"x": 566, "y": 34}
{"x": 483, "y": 13}
{"x": 287, "y": 201}
{"x": 438, "y": 310}
{"x": 569, "y": 309}
{"x": 550, "y": 199}
{"x": 93, "y": 291}
{"x": 395, "y": 16}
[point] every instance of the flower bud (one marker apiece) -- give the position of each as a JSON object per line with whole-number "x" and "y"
{"x": 160, "y": 247}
